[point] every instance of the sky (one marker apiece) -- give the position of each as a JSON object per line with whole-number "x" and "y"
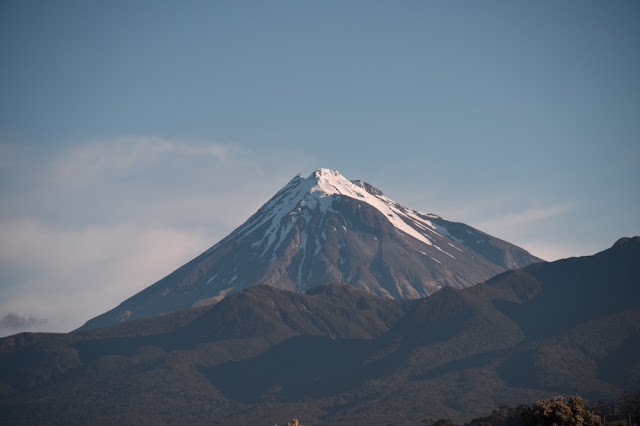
{"x": 136, "y": 134}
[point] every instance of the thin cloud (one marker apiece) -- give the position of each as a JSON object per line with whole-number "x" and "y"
{"x": 220, "y": 152}
{"x": 13, "y": 321}
{"x": 147, "y": 179}
{"x": 522, "y": 227}
{"x": 112, "y": 159}
{"x": 71, "y": 275}
{"x": 551, "y": 250}
{"x": 86, "y": 227}
{"x": 525, "y": 217}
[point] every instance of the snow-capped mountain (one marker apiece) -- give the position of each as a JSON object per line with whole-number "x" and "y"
{"x": 323, "y": 229}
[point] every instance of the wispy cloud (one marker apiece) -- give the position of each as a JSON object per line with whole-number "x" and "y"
{"x": 523, "y": 227}
{"x": 85, "y": 227}
{"x": 71, "y": 275}
{"x": 147, "y": 179}
{"x": 524, "y": 217}
{"x": 102, "y": 160}
{"x": 553, "y": 249}
{"x": 14, "y": 321}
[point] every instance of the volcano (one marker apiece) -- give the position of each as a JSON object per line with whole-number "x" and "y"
{"x": 323, "y": 229}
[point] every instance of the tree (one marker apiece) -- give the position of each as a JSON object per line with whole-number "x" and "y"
{"x": 555, "y": 411}
{"x": 627, "y": 404}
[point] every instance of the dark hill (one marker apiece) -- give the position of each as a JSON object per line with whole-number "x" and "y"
{"x": 340, "y": 355}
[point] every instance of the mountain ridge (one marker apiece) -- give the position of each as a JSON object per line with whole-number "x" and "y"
{"x": 341, "y": 355}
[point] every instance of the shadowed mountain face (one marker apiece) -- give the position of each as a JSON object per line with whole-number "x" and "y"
{"x": 326, "y": 229}
{"x": 340, "y": 355}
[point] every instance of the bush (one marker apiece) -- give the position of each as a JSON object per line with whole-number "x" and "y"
{"x": 555, "y": 411}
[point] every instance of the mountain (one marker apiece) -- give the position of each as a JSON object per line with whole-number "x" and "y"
{"x": 340, "y": 355}
{"x": 325, "y": 229}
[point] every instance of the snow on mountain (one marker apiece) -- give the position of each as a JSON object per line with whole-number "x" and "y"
{"x": 326, "y": 228}
{"x": 301, "y": 198}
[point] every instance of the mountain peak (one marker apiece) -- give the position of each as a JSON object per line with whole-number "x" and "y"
{"x": 318, "y": 191}
{"x": 329, "y": 182}
{"x": 627, "y": 241}
{"x": 325, "y": 173}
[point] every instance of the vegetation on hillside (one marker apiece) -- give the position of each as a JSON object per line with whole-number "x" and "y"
{"x": 556, "y": 411}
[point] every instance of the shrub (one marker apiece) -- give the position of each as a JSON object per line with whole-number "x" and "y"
{"x": 555, "y": 411}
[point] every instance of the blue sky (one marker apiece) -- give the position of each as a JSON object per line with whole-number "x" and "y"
{"x": 134, "y": 135}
